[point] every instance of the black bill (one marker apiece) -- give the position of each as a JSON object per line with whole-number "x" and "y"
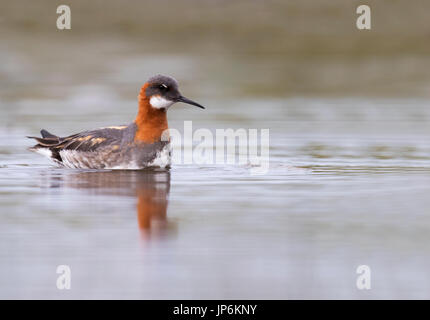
{"x": 188, "y": 101}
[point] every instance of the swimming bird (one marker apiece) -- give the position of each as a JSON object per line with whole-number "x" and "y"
{"x": 143, "y": 143}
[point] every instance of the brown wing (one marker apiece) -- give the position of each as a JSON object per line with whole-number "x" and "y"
{"x": 92, "y": 140}
{"x": 86, "y": 141}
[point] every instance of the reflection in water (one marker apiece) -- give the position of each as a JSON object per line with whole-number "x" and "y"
{"x": 150, "y": 187}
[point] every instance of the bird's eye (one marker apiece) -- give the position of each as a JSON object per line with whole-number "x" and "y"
{"x": 163, "y": 87}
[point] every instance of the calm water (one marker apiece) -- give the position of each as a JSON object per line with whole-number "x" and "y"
{"x": 348, "y": 185}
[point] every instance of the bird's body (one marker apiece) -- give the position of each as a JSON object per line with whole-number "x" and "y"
{"x": 104, "y": 148}
{"x": 143, "y": 143}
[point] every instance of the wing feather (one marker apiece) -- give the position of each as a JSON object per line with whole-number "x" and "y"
{"x": 87, "y": 141}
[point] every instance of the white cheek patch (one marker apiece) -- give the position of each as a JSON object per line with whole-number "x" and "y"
{"x": 159, "y": 102}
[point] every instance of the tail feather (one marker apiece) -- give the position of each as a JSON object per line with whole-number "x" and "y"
{"x": 46, "y": 134}
{"x": 45, "y": 145}
{"x": 45, "y": 142}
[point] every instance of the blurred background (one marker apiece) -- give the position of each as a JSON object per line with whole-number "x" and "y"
{"x": 350, "y": 158}
{"x": 240, "y": 48}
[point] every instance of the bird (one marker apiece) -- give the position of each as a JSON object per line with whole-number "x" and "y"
{"x": 141, "y": 144}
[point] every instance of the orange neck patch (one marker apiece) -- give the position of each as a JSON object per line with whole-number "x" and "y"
{"x": 151, "y": 122}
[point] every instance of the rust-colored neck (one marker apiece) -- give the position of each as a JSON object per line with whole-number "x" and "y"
{"x": 151, "y": 122}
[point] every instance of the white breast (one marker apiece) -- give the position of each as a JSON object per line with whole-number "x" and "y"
{"x": 163, "y": 158}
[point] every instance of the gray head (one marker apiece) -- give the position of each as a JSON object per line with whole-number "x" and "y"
{"x": 163, "y": 91}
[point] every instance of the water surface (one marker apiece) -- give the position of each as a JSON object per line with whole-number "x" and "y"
{"x": 348, "y": 185}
